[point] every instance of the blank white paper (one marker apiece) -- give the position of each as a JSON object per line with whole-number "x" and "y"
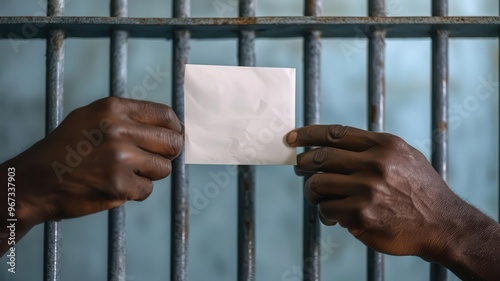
{"x": 239, "y": 115}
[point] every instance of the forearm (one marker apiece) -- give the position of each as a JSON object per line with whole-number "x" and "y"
{"x": 473, "y": 251}
{"x": 16, "y": 217}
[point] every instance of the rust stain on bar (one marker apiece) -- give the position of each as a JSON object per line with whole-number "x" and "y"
{"x": 248, "y": 228}
{"x": 246, "y": 185}
{"x": 269, "y": 27}
{"x": 443, "y": 126}
{"x": 235, "y": 21}
{"x": 57, "y": 41}
{"x": 374, "y": 113}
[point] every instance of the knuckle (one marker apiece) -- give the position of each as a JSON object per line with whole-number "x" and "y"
{"x": 393, "y": 142}
{"x": 162, "y": 165}
{"x": 110, "y": 104}
{"x": 169, "y": 114}
{"x": 355, "y": 219}
{"x": 167, "y": 168}
{"x": 320, "y": 156}
{"x": 324, "y": 211}
{"x": 120, "y": 189}
{"x": 146, "y": 189}
{"x": 365, "y": 219}
{"x": 310, "y": 191}
{"x": 114, "y": 156}
{"x": 116, "y": 132}
{"x": 313, "y": 182}
{"x": 326, "y": 221}
{"x": 380, "y": 165}
{"x": 337, "y": 132}
{"x": 363, "y": 185}
{"x": 175, "y": 143}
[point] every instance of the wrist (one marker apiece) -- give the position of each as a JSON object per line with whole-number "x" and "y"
{"x": 467, "y": 242}
{"x": 32, "y": 204}
{"x": 16, "y": 216}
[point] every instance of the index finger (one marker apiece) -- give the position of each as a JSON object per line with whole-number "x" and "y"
{"x": 154, "y": 114}
{"x": 338, "y": 136}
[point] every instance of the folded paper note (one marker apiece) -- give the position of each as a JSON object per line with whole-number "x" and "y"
{"x": 239, "y": 115}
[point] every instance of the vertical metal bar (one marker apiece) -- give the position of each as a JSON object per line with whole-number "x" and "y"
{"x": 246, "y": 174}
{"x": 376, "y": 108}
{"x": 246, "y": 223}
{"x": 312, "y": 84}
{"x": 118, "y": 88}
{"x": 54, "y": 116}
{"x": 439, "y": 128}
{"x": 180, "y": 188}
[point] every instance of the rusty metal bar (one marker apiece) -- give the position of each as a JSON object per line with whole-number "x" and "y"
{"x": 246, "y": 223}
{"x": 246, "y": 174}
{"x": 376, "y": 108}
{"x": 54, "y": 115}
{"x": 312, "y": 92}
{"x": 439, "y": 129}
{"x": 264, "y": 27}
{"x": 118, "y": 88}
{"x": 180, "y": 188}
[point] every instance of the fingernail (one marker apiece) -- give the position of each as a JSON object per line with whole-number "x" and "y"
{"x": 292, "y": 137}
{"x": 301, "y": 173}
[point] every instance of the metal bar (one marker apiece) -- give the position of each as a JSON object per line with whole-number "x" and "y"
{"x": 439, "y": 130}
{"x": 54, "y": 115}
{"x": 118, "y": 88}
{"x": 246, "y": 174}
{"x": 312, "y": 85}
{"x": 180, "y": 188}
{"x": 246, "y": 223}
{"x": 265, "y": 27}
{"x": 376, "y": 108}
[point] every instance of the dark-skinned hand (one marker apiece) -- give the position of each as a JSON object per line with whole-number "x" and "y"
{"x": 100, "y": 156}
{"x": 388, "y": 196}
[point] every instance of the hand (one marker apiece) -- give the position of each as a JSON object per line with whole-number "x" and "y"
{"x": 377, "y": 186}
{"x": 388, "y": 196}
{"x": 99, "y": 157}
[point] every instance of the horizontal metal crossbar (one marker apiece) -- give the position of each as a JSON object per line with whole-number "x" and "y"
{"x": 268, "y": 27}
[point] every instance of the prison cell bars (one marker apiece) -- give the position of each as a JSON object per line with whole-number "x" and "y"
{"x": 54, "y": 114}
{"x": 376, "y": 108}
{"x": 180, "y": 189}
{"x": 117, "y": 88}
{"x": 312, "y": 85}
{"x": 439, "y": 127}
{"x": 246, "y": 174}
